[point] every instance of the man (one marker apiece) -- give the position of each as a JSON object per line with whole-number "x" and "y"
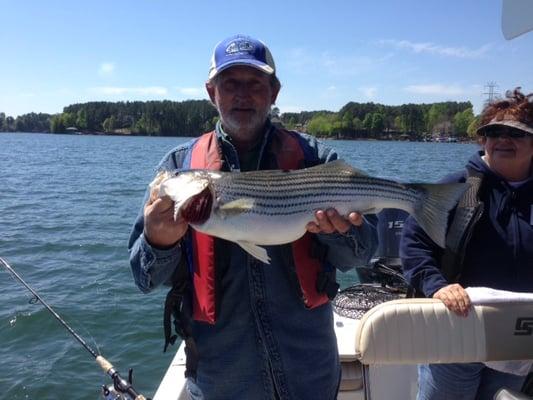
{"x": 258, "y": 331}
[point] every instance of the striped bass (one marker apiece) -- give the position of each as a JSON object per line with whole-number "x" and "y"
{"x": 272, "y": 207}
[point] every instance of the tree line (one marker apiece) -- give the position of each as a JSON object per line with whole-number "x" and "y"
{"x": 192, "y": 117}
{"x": 158, "y": 118}
{"x": 31, "y": 122}
{"x": 370, "y": 120}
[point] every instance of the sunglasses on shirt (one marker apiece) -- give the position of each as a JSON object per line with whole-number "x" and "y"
{"x": 499, "y": 131}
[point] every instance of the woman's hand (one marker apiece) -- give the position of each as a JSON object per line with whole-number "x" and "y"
{"x": 455, "y": 298}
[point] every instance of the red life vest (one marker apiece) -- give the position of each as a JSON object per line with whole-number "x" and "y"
{"x": 206, "y": 154}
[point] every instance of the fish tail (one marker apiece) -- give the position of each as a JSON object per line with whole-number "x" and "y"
{"x": 433, "y": 207}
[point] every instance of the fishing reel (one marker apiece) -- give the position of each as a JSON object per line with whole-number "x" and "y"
{"x": 109, "y": 393}
{"x": 121, "y": 389}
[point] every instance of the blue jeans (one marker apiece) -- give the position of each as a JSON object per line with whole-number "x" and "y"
{"x": 472, "y": 381}
{"x": 194, "y": 392}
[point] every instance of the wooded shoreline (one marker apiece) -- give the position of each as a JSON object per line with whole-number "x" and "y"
{"x": 447, "y": 121}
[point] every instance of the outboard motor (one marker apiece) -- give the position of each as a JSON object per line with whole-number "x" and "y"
{"x": 390, "y": 225}
{"x": 382, "y": 280}
{"x": 385, "y": 267}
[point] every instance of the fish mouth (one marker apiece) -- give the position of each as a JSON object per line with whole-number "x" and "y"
{"x": 198, "y": 208}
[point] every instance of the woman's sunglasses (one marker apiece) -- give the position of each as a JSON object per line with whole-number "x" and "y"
{"x": 499, "y": 131}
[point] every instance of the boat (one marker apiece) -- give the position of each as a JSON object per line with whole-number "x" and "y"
{"x": 445, "y": 139}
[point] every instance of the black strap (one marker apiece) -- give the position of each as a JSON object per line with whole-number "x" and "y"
{"x": 527, "y": 388}
{"x": 172, "y": 301}
{"x": 191, "y": 358}
{"x": 467, "y": 213}
{"x": 177, "y": 307}
{"x": 326, "y": 283}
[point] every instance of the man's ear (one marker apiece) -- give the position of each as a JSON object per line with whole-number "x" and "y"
{"x": 211, "y": 91}
{"x": 275, "y": 91}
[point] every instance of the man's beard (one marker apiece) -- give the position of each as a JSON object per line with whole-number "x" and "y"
{"x": 243, "y": 130}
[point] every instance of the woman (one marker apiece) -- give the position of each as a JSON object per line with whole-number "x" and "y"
{"x": 494, "y": 250}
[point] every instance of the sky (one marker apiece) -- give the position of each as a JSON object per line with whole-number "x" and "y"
{"x": 327, "y": 53}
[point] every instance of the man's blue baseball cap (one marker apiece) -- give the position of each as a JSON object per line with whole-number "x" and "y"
{"x": 241, "y": 50}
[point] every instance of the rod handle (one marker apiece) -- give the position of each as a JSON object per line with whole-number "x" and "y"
{"x": 104, "y": 364}
{"x": 107, "y": 367}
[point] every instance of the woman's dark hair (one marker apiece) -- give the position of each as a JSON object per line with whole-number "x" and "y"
{"x": 516, "y": 106}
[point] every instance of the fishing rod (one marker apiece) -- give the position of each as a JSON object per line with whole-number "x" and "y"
{"x": 122, "y": 389}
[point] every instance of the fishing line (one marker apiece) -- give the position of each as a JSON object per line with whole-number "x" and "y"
{"x": 36, "y": 298}
{"x": 120, "y": 385}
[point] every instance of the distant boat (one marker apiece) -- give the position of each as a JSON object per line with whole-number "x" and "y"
{"x": 73, "y": 130}
{"x": 445, "y": 139}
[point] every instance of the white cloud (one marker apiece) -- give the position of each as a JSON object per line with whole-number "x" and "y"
{"x": 301, "y": 60}
{"x": 350, "y": 65}
{"x": 329, "y": 94}
{"x": 437, "y": 89}
{"x": 144, "y": 91}
{"x": 106, "y": 68}
{"x": 193, "y": 92}
{"x": 369, "y": 92}
{"x": 432, "y": 48}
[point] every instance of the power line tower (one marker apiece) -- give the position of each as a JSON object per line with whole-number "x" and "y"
{"x": 491, "y": 93}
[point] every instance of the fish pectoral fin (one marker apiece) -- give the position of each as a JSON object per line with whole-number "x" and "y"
{"x": 235, "y": 207}
{"x": 257, "y": 251}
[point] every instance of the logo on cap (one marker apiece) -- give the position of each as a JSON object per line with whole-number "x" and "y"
{"x": 240, "y": 46}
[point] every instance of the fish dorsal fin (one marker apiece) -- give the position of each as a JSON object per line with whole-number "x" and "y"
{"x": 236, "y": 207}
{"x": 340, "y": 166}
{"x": 257, "y": 251}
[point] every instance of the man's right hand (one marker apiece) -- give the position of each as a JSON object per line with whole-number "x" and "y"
{"x": 160, "y": 228}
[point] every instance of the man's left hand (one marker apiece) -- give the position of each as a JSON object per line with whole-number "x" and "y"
{"x": 330, "y": 221}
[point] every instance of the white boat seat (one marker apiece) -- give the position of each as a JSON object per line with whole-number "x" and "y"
{"x": 507, "y": 394}
{"x": 412, "y": 331}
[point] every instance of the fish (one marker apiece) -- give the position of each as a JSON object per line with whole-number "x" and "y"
{"x": 273, "y": 207}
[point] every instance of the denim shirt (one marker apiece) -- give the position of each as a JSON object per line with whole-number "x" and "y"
{"x": 265, "y": 342}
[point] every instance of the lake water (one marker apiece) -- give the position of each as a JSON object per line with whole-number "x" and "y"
{"x": 67, "y": 204}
